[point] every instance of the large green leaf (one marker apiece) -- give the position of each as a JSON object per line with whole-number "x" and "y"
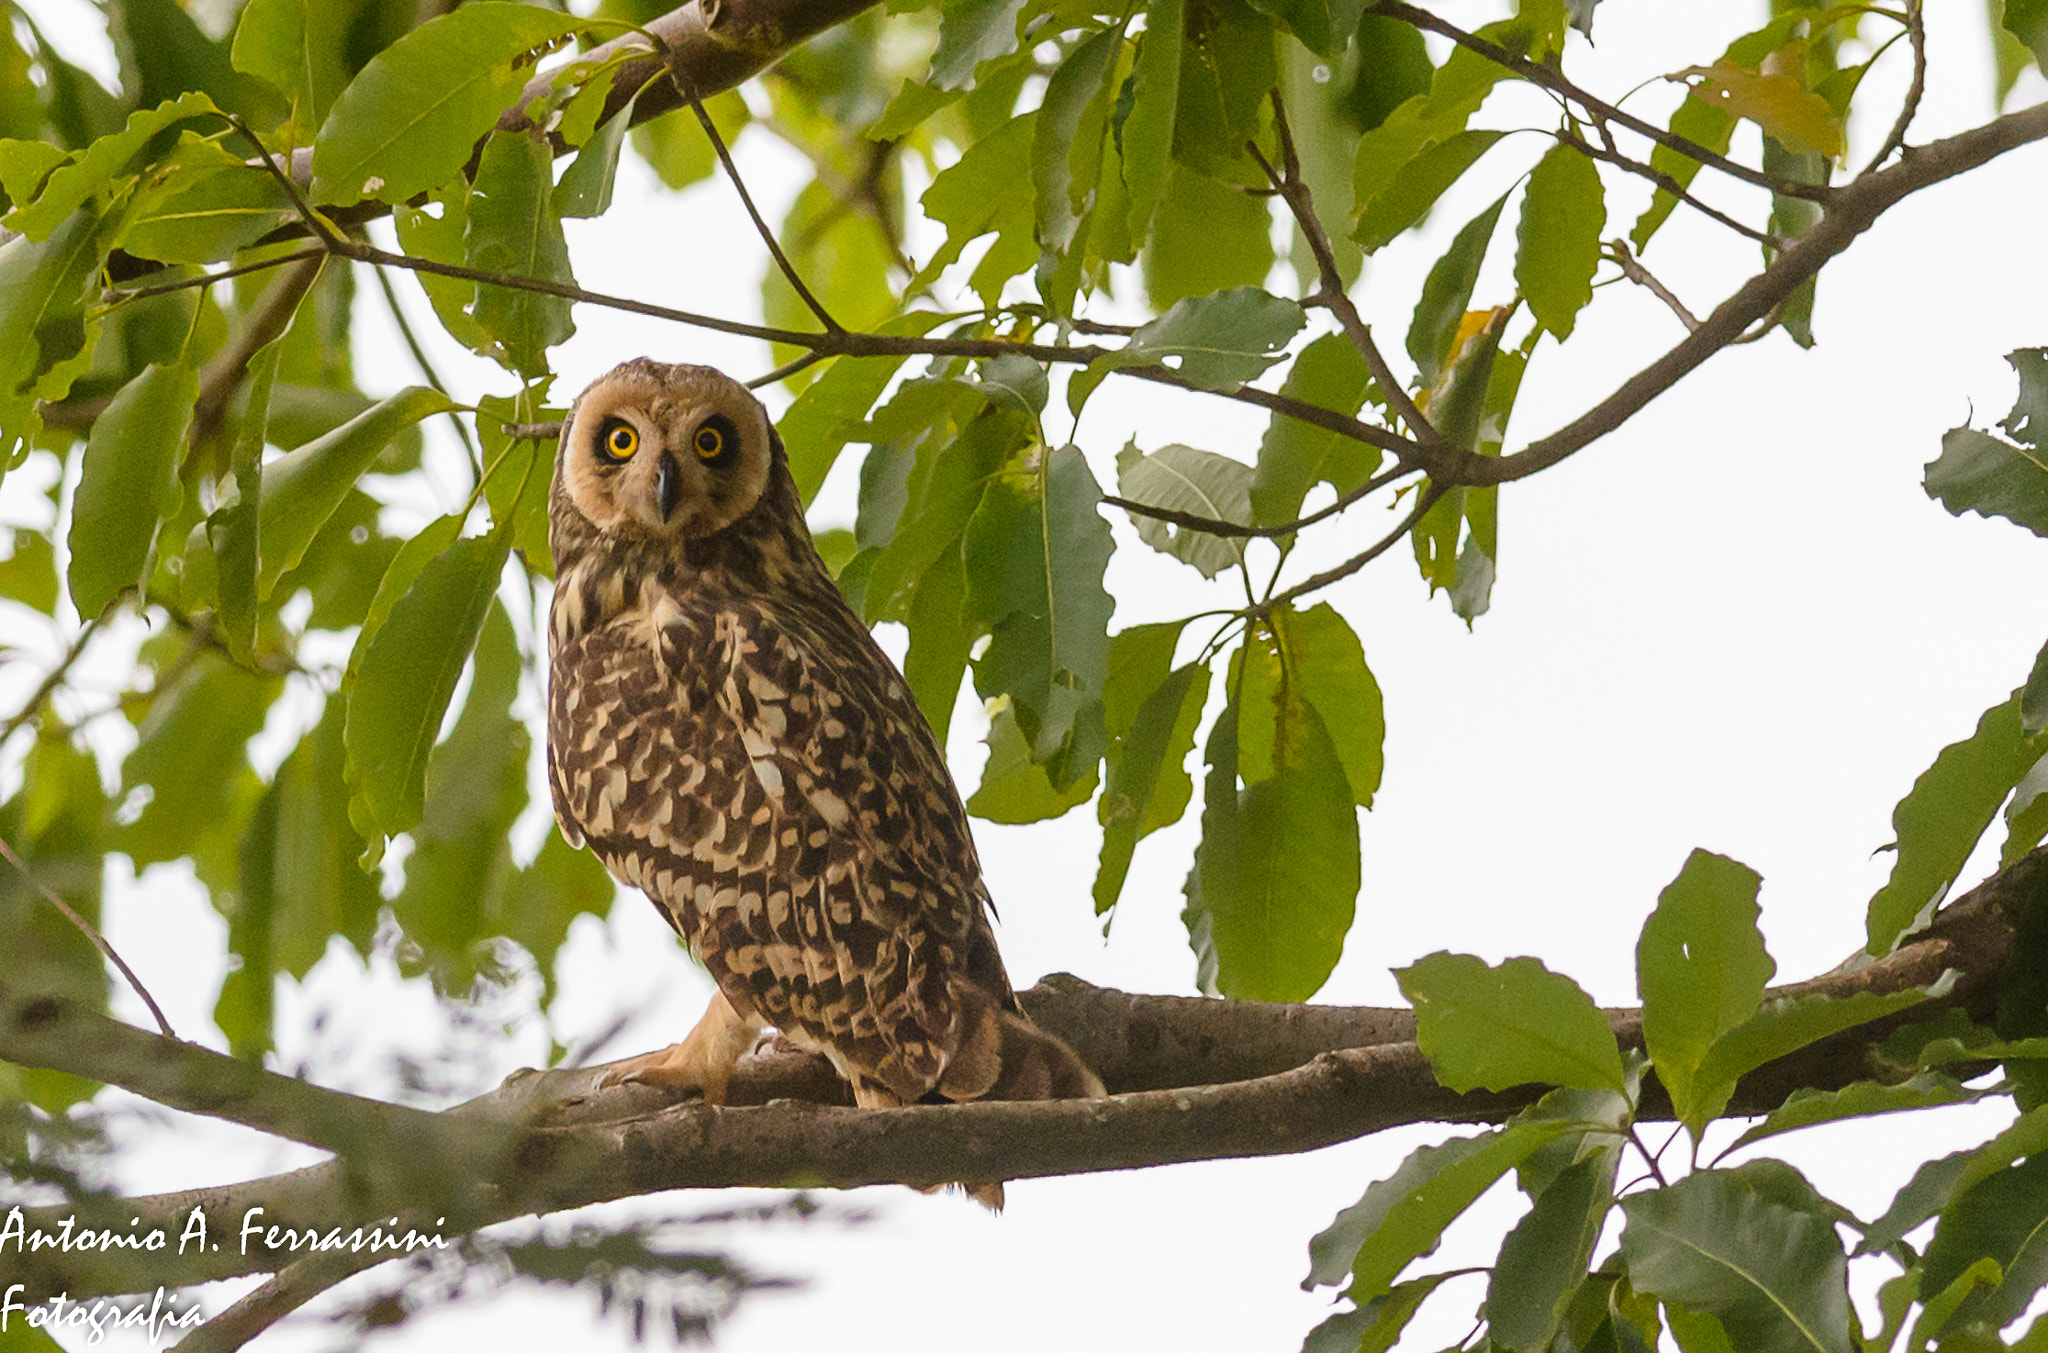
{"x": 1376, "y": 1326}
{"x": 1420, "y": 122}
{"x": 513, "y": 229}
{"x": 987, "y": 189}
{"x": 1212, "y": 342}
{"x": 1227, "y": 70}
{"x": 846, "y": 259}
{"x": 971, "y": 32}
{"x": 829, "y": 412}
{"x": 941, "y": 640}
{"x": 1558, "y": 239}
{"x": 1311, "y": 657}
{"x": 1940, "y": 821}
{"x": 1183, "y": 479}
{"x": 128, "y": 483}
{"x": 438, "y": 229}
{"x": 412, "y": 117}
{"x": 93, "y": 169}
{"x": 405, "y": 678}
{"x": 1036, "y": 554}
{"x": 476, "y": 788}
{"x": 1780, "y": 1028}
{"x": 299, "y": 47}
{"x": 1066, "y": 154}
{"x": 1015, "y": 789}
{"x": 1206, "y": 237}
{"x": 203, "y": 205}
{"x": 1493, "y": 1028}
{"x": 1704, "y": 125}
{"x": 1701, "y": 967}
{"x": 46, "y": 331}
{"x": 302, "y": 489}
{"x": 1938, "y": 1182}
{"x": 1324, "y": 26}
{"x": 1155, "y": 98}
{"x": 1402, "y": 1217}
{"x": 2003, "y": 1218}
{"x": 1775, "y": 1278}
{"x": 1977, "y": 472}
{"x": 234, "y": 529}
{"x": 1447, "y": 294}
{"x": 1148, "y": 785}
{"x": 191, "y": 752}
{"x": 1414, "y": 190}
{"x": 1543, "y": 1259}
{"x": 1295, "y": 456}
{"x": 1275, "y": 879}
{"x": 1864, "y": 1099}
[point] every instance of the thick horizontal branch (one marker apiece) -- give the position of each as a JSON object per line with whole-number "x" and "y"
{"x": 1195, "y": 1080}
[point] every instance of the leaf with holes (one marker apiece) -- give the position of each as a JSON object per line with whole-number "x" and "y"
{"x": 1200, "y": 483}
{"x": 1213, "y": 342}
{"x": 1701, "y": 967}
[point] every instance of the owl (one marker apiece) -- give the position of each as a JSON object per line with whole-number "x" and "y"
{"x": 726, "y": 735}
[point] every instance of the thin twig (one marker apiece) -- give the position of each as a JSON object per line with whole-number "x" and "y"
{"x": 787, "y": 369}
{"x": 1356, "y": 562}
{"x": 1648, "y": 1159}
{"x": 91, "y": 932}
{"x": 1599, "y": 110}
{"x": 1895, "y": 140}
{"x": 419, "y": 358}
{"x": 732, "y": 172}
{"x": 121, "y": 296}
{"x": 50, "y": 682}
{"x": 1668, "y": 184}
{"x": 1633, "y": 269}
{"x": 307, "y": 217}
{"x": 1332, "y": 293}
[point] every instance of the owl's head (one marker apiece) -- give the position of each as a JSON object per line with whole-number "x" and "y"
{"x": 660, "y": 452}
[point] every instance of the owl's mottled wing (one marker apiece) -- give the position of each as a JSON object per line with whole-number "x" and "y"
{"x": 770, "y": 782}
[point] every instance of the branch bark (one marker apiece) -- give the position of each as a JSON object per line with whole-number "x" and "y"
{"x": 1193, "y": 1080}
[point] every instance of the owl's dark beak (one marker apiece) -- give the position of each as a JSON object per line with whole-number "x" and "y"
{"x": 668, "y": 486}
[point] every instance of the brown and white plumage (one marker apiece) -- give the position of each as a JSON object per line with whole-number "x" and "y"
{"x": 727, "y": 736}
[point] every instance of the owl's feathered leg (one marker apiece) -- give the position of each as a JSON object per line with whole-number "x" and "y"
{"x": 703, "y": 1061}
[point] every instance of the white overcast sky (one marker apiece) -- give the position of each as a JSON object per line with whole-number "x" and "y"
{"x": 1738, "y": 623}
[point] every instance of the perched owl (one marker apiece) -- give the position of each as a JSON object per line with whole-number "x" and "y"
{"x": 727, "y": 736}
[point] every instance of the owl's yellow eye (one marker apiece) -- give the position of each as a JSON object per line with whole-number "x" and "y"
{"x": 710, "y": 441}
{"x": 620, "y": 441}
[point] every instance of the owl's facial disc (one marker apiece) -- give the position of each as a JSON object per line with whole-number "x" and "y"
{"x": 665, "y": 451}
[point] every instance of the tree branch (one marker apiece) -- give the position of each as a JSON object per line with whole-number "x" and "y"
{"x": 1267, "y": 1080}
{"x": 1916, "y": 34}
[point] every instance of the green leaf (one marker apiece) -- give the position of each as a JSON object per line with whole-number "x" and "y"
{"x": 543, "y": 899}
{"x": 29, "y": 574}
{"x": 987, "y": 189}
{"x": 1384, "y": 153}
{"x": 202, "y": 206}
{"x": 403, "y": 682}
{"x": 476, "y": 788}
{"x": 1014, "y": 382}
{"x": 1147, "y": 143}
{"x": 513, "y": 229}
{"x": 1697, "y": 121}
{"x": 1212, "y": 342}
{"x": 1447, "y": 294}
{"x": 1295, "y": 456}
{"x": 1977, "y": 472}
{"x": 1035, "y": 564}
{"x": 2026, "y": 814}
{"x": 1559, "y": 238}
{"x": 1407, "y": 199}
{"x": 1940, "y": 821}
{"x": 2027, "y": 20}
{"x": 1701, "y": 967}
{"x": 299, "y": 46}
{"x": 1393, "y": 67}
{"x": 1015, "y": 789}
{"x": 1543, "y": 1259}
{"x": 676, "y": 147}
{"x": 1402, "y": 1217}
{"x": 1775, "y": 1278}
{"x": 1313, "y": 657}
{"x": 1939, "y": 1182}
{"x": 1864, "y": 1099}
{"x": 91, "y": 170}
{"x": 1324, "y": 26}
{"x": 411, "y": 118}
{"x": 1227, "y": 70}
{"x": 1780, "y": 1028}
{"x": 302, "y": 488}
{"x": 1275, "y": 879}
{"x": 941, "y": 640}
{"x": 971, "y": 32}
{"x": 2004, "y": 1219}
{"x": 1787, "y": 110}
{"x": 830, "y": 411}
{"x": 1148, "y": 785}
{"x": 46, "y": 332}
{"x": 844, "y": 256}
{"x": 421, "y": 549}
{"x": 1376, "y": 1326}
{"x": 1494, "y": 1028}
{"x": 234, "y": 529}
{"x": 438, "y": 230}
{"x": 1066, "y": 144}
{"x": 1206, "y": 237}
{"x": 1201, "y": 483}
{"x": 1324, "y": 139}
{"x": 127, "y": 484}
{"x": 586, "y": 187}
{"x": 191, "y": 753}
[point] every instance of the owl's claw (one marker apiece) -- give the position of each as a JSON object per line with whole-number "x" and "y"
{"x": 702, "y": 1062}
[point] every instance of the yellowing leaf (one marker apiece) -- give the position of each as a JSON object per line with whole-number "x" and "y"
{"x": 1783, "y": 107}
